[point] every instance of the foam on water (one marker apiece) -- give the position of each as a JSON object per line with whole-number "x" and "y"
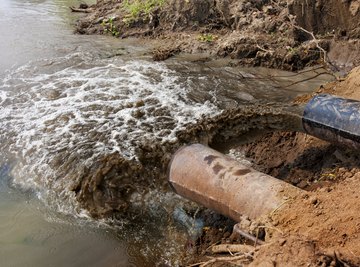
{"x": 82, "y": 107}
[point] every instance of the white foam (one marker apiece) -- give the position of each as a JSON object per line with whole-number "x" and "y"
{"x": 86, "y": 107}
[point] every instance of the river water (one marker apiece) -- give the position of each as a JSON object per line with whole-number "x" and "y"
{"x": 71, "y": 104}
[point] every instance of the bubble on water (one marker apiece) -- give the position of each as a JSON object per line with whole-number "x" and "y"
{"x": 79, "y": 108}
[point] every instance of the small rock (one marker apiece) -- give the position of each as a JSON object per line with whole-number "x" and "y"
{"x": 354, "y": 8}
{"x": 270, "y": 10}
{"x": 325, "y": 190}
{"x": 83, "y": 6}
{"x": 318, "y": 212}
{"x": 313, "y": 200}
{"x": 302, "y": 184}
{"x": 282, "y": 241}
{"x": 305, "y": 196}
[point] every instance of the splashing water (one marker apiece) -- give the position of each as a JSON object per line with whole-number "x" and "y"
{"x": 90, "y": 130}
{"x": 84, "y": 109}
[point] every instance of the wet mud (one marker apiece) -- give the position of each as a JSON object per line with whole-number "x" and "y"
{"x": 279, "y": 34}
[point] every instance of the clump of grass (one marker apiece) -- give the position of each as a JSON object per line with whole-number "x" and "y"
{"x": 109, "y": 27}
{"x": 138, "y": 8}
{"x": 207, "y": 37}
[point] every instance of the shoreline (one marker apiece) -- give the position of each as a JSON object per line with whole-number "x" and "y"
{"x": 269, "y": 34}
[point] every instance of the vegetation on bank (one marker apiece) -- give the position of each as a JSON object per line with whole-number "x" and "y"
{"x": 207, "y": 37}
{"x": 131, "y": 11}
{"x": 109, "y": 27}
{"x": 140, "y": 8}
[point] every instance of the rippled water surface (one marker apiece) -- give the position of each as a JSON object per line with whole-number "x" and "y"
{"x": 68, "y": 104}
{"x": 31, "y": 235}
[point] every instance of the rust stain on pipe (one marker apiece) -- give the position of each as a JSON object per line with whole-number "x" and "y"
{"x": 219, "y": 182}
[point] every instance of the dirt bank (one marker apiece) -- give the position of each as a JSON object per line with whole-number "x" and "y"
{"x": 326, "y": 219}
{"x": 322, "y": 226}
{"x": 276, "y": 34}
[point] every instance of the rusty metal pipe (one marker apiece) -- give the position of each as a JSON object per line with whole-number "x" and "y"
{"x": 219, "y": 182}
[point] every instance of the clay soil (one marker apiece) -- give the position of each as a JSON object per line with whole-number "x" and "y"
{"x": 322, "y": 226}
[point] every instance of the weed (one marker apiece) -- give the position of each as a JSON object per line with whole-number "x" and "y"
{"x": 109, "y": 27}
{"x": 207, "y": 37}
{"x": 137, "y": 8}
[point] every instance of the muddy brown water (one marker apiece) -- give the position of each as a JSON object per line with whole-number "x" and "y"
{"x": 87, "y": 124}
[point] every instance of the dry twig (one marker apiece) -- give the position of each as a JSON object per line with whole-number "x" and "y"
{"x": 218, "y": 259}
{"x": 247, "y": 235}
{"x": 264, "y": 50}
{"x": 297, "y": 82}
{"x": 232, "y": 248}
{"x": 82, "y": 10}
{"x": 316, "y": 41}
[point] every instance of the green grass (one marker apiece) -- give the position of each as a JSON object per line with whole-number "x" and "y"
{"x": 138, "y": 8}
{"x": 109, "y": 27}
{"x": 207, "y": 37}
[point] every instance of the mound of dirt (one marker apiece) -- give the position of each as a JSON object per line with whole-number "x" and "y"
{"x": 322, "y": 17}
{"x": 254, "y": 33}
{"x": 321, "y": 227}
{"x": 318, "y": 228}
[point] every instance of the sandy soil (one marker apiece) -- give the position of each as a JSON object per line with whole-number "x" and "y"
{"x": 322, "y": 226}
{"x": 324, "y": 223}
